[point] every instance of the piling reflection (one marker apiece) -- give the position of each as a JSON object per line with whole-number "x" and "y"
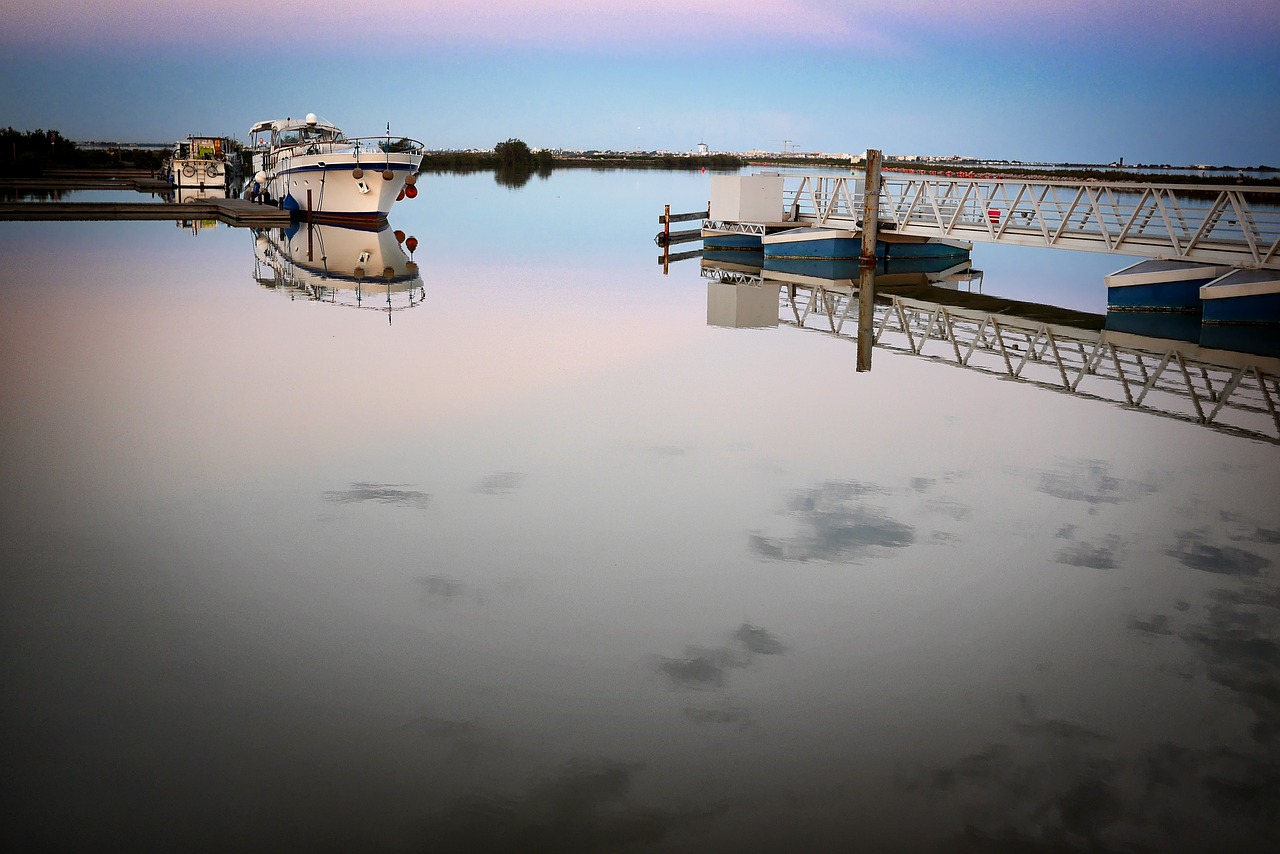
{"x": 343, "y": 266}
{"x": 1223, "y": 376}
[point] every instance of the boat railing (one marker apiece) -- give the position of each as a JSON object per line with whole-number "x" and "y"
{"x": 374, "y": 145}
{"x": 386, "y": 145}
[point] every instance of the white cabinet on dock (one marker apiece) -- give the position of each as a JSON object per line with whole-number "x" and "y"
{"x": 746, "y": 198}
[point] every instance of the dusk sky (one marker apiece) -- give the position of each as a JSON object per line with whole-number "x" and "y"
{"x": 1160, "y": 81}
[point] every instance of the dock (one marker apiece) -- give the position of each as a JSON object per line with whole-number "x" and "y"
{"x": 1228, "y": 224}
{"x": 141, "y": 180}
{"x": 235, "y": 212}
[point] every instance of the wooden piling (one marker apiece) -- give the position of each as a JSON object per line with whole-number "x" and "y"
{"x": 666, "y": 238}
{"x": 867, "y": 262}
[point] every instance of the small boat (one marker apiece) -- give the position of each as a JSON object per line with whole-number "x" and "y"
{"x": 311, "y": 168}
{"x": 201, "y": 167}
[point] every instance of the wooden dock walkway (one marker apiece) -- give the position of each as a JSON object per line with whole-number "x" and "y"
{"x": 141, "y": 180}
{"x": 235, "y": 212}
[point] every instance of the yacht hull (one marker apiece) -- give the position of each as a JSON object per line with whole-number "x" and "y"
{"x": 342, "y": 188}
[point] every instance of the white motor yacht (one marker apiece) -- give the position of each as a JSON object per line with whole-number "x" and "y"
{"x": 310, "y": 167}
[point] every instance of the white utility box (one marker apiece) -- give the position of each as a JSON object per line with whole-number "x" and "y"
{"x": 742, "y": 306}
{"x": 746, "y": 198}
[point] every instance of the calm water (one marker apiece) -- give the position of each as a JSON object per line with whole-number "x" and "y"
{"x": 546, "y": 562}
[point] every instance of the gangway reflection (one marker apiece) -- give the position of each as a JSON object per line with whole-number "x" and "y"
{"x": 353, "y": 267}
{"x": 1229, "y": 386}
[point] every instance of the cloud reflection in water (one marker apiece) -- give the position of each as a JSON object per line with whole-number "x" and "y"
{"x": 1192, "y": 551}
{"x": 1060, "y": 785}
{"x": 583, "y": 806}
{"x": 1240, "y": 642}
{"x": 1103, "y": 554}
{"x": 706, "y": 669}
{"x": 440, "y": 587}
{"x": 1090, "y": 481}
{"x": 1065, "y": 787}
{"x": 501, "y": 483}
{"x": 462, "y": 740}
{"x": 379, "y": 493}
{"x": 836, "y": 526}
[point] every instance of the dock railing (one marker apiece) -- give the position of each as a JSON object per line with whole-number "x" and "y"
{"x": 1224, "y": 224}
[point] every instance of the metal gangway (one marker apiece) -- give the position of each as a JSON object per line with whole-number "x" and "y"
{"x": 1230, "y": 392}
{"x": 1230, "y": 224}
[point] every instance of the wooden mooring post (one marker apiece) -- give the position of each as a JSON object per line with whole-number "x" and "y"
{"x": 665, "y": 237}
{"x": 867, "y": 261}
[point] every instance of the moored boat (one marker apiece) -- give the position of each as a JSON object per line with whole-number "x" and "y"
{"x": 204, "y": 167}
{"x": 311, "y": 168}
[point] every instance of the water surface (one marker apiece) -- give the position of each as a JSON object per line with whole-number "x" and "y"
{"x": 548, "y": 563}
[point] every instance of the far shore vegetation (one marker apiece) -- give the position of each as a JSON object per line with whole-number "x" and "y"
{"x": 514, "y": 163}
{"x": 26, "y": 155}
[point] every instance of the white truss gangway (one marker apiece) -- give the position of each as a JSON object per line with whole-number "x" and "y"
{"x": 1230, "y": 224}
{"x": 1236, "y": 393}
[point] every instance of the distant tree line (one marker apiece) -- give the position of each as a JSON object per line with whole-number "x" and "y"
{"x": 25, "y": 154}
{"x": 511, "y": 155}
{"x": 656, "y": 161}
{"x": 514, "y": 162}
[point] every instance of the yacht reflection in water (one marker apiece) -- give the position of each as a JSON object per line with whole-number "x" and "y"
{"x": 354, "y": 267}
{"x": 1225, "y": 377}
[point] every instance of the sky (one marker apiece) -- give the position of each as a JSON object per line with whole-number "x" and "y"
{"x": 1150, "y": 81}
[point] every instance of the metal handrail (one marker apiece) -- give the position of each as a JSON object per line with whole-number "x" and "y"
{"x": 361, "y": 144}
{"x": 1222, "y": 223}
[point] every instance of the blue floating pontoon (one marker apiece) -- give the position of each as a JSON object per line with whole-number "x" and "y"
{"x": 1243, "y": 296}
{"x": 1160, "y": 285}
{"x": 841, "y": 244}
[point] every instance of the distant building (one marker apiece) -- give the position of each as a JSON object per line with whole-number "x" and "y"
{"x": 702, "y": 148}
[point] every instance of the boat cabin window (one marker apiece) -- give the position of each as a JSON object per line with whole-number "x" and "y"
{"x": 300, "y": 136}
{"x": 321, "y": 134}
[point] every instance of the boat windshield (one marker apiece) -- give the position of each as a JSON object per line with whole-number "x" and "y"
{"x": 303, "y": 135}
